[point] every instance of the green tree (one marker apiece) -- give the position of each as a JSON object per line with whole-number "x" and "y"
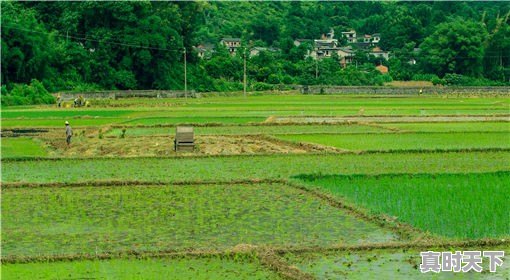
{"x": 455, "y": 47}
{"x": 496, "y": 60}
{"x": 27, "y": 47}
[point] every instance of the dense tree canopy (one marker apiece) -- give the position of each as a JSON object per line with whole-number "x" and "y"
{"x": 139, "y": 45}
{"x": 455, "y": 47}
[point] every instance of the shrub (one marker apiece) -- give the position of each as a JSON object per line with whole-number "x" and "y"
{"x": 273, "y": 79}
{"x": 460, "y": 80}
{"x": 259, "y": 86}
{"x": 437, "y": 81}
{"x": 35, "y": 93}
{"x": 287, "y": 80}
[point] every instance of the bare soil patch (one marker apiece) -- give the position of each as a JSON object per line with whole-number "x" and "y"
{"x": 93, "y": 146}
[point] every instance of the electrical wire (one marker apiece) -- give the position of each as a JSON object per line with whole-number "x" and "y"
{"x": 98, "y": 41}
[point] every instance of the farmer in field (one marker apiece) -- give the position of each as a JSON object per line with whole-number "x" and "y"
{"x": 69, "y": 133}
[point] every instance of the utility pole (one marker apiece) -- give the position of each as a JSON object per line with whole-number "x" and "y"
{"x": 316, "y": 68}
{"x": 185, "y": 76}
{"x": 244, "y": 75}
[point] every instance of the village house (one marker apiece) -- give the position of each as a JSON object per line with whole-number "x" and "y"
{"x": 346, "y": 55}
{"x": 376, "y": 38}
{"x": 325, "y": 47}
{"x": 350, "y": 36}
{"x": 328, "y": 46}
{"x": 377, "y": 52}
{"x": 366, "y": 40}
{"x": 232, "y": 44}
{"x": 204, "y": 51}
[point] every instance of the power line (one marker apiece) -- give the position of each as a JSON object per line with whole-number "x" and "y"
{"x": 98, "y": 41}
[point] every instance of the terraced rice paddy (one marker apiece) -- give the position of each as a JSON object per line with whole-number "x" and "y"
{"x": 22, "y": 147}
{"x": 453, "y": 205}
{"x": 105, "y": 219}
{"x": 408, "y": 141}
{"x": 247, "y": 167}
{"x": 162, "y": 268}
{"x": 278, "y": 187}
{"x": 390, "y": 264}
{"x": 230, "y": 110}
{"x": 451, "y": 127}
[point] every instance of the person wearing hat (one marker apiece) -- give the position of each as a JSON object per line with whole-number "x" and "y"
{"x": 69, "y": 133}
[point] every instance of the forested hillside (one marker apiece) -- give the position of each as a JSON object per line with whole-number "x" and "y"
{"x": 140, "y": 45}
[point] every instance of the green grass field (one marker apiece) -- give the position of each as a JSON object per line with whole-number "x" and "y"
{"x": 453, "y": 205}
{"x": 21, "y": 147}
{"x": 407, "y": 141}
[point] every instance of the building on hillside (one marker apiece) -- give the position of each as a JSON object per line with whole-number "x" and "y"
{"x": 232, "y": 44}
{"x": 377, "y": 52}
{"x": 326, "y": 41}
{"x": 376, "y": 38}
{"x": 350, "y": 36}
{"x": 325, "y": 47}
{"x": 328, "y": 46}
{"x": 346, "y": 55}
{"x": 366, "y": 41}
{"x": 367, "y": 38}
{"x": 204, "y": 51}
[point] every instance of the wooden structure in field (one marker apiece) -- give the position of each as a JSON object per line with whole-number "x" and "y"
{"x": 184, "y": 139}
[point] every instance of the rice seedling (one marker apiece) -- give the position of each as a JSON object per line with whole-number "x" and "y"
{"x": 213, "y": 267}
{"x": 407, "y": 141}
{"x": 473, "y": 205}
{"x": 95, "y": 220}
{"x": 226, "y": 168}
{"x": 22, "y": 147}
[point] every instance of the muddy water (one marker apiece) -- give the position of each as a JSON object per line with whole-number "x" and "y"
{"x": 111, "y": 219}
{"x": 385, "y": 264}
